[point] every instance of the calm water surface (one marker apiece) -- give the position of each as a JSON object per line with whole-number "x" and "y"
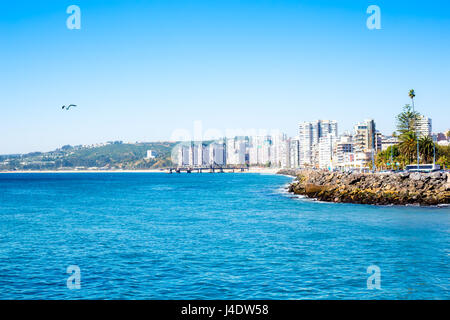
{"x": 210, "y": 236}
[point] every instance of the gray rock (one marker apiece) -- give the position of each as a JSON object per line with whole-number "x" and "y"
{"x": 404, "y": 175}
{"x": 435, "y": 175}
{"x": 415, "y": 176}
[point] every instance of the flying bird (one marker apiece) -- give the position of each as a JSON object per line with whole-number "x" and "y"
{"x": 69, "y": 106}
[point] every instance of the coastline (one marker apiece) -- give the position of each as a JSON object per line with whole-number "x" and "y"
{"x": 251, "y": 170}
{"x": 404, "y": 189}
{"x": 85, "y": 171}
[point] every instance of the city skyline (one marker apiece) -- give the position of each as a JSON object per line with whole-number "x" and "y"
{"x": 139, "y": 71}
{"x": 199, "y": 134}
{"x": 317, "y": 145}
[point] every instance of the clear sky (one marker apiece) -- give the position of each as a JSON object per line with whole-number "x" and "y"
{"x": 138, "y": 70}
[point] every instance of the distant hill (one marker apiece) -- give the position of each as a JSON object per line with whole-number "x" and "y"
{"x": 113, "y": 155}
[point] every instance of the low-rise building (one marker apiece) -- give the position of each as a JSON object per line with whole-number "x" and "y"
{"x": 151, "y": 154}
{"x": 387, "y": 142}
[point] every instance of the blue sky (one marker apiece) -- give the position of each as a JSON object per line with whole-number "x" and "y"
{"x": 141, "y": 69}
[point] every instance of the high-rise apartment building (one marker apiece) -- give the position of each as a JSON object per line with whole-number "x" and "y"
{"x": 424, "y": 126}
{"x": 325, "y": 150}
{"x": 343, "y": 151}
{"x": 365, "y": 137}
{"x": 217, "y": 153}
{"x": 259, "y": 150}
{"x": 306, "y": 134}
{"x": 309, "y": 139}
{"x": 183, "y": 154}
{"x": 294, "y": 152}
{"x": 237, "y": 151}
{"x": 279, "y": 150}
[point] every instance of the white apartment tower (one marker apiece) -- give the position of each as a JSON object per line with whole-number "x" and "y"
{"x": 237, "y": 151}
{"x": 306, "y": 136}
{"x": 294, "y": 152}
{"x": 365, "y": 137}
{"x": 183, "y": 155}
{"x": 424, "y": 126}
{"x": 309, "y": 139}
{"x": 280, "y": 150}
{"x": 325, "y": 151}
{"x": 343, "y": 151}
{"x": 217, "y": 154}
{"x": 259, "y": 150}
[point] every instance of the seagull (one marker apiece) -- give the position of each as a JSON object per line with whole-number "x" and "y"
{"x": 68, "y": 107}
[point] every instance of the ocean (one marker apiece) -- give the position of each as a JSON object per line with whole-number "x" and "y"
{"x": 210, "y": 236}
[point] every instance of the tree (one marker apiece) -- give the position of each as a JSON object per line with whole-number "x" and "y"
{"x": 442, "y": 151}
{"x": 426, "y": 149}
{"x": 406, "y": 120}
{"x": 388, "y": 158}
{"x": 402, "y": 160}
{"x": 412, "y": 95}
{"x": 407, "y": 145}
{"x": 443, "y": 161}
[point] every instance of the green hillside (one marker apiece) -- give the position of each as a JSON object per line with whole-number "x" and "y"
{"x": 114, "y": 155}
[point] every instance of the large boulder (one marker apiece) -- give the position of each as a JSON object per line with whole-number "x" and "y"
{"x": 312, "y": 190}
{"x": 354, "y": 178}
{"x": 415, "y": 176}
{"x": 436, "y": 175}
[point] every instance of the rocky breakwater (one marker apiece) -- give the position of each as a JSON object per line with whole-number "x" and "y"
{"x": 372, "y": 188}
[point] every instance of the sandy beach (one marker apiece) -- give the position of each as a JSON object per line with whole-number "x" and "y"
{"x": 251, "y": 170}
{"x": 86, "y": 171}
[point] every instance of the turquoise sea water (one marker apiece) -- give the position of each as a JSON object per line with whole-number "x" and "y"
{"x": 210, "y": 236}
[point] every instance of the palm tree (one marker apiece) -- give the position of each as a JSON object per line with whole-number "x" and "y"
{"x": 426, "y": 149}
{"x": 380, "y": 160}
{"x": 412, "y": 95}
{"x": 407, "y": 144}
